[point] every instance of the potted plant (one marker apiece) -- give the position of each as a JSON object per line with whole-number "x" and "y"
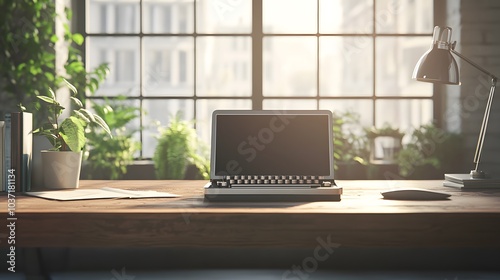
{"x": 385, "y": 144}
{"x": 430, "y": 153}
{"x": 62, "y": 163}
{"x": 177, "y": 151}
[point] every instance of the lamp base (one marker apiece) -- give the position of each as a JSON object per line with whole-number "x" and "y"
{"x": 467, "y": 181}
{"x": 478, "y": 174}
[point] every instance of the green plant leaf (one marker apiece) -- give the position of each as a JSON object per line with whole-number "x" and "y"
{"x": 78, "y": 39}
{"x": 99, "y": 121}
{"x": 70, "y": 86}
{"x": 49, "y": 76}
{"x": 48, "y": 100}
{"x": 52, "y": 93}
{"x": 76, "y": 66}
{"x": 73, "y": 133}
{"x": 48, "y": 134}
{"x": 81, "y": 116}
{"x": 77, "y": 101}
{"x": 69, "y": 13}
{"x": 54, "y": 38}
{"x": 88, "y": 114}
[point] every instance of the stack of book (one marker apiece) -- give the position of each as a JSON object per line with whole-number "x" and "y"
{"x": 16, "y": 148}
{"x": 464, "y": 181}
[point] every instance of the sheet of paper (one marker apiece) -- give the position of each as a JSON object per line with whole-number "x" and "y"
{"x": 81, "y": 194}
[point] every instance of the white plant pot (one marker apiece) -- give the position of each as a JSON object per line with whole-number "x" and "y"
{"x": 61, "y": 170}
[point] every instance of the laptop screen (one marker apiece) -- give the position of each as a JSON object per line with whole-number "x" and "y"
{"x": 272, "y": 143}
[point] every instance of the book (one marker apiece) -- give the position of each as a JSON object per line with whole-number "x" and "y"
{"x": 21, "y": 149}
{"x": 27, "y": 151}
{"x": 466, "y": 182}
{"x": 15, "y": 149}
{"x": 2, "y": 156}
{"x": 7, "y": 148}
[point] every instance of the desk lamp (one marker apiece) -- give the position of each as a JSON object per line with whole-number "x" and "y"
{"x": 438, "y": 65}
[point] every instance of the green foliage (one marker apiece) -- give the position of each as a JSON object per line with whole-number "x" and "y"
{"x": 70, "y": 134}
{"x": 176, "y": 149}
{"x": 432, "y": 148}
{"x": 350, "y": 143}
{"x": 430, "y": 153}
{"x": 28, "y": 58}
{"x": 112, "y": 155}
{"x": 385, "y": 130}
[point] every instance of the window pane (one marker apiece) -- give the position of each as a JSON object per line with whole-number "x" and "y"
{"x": 396, "y": 59}
{"x": 289, "y": 66}
{"x": 223, "y": 66}
{"x": 226, "y": 16}
{"x": 403, "y": 114}
{"x": 174, "y": 16}
{"x": 346, "y": 66}
{"x": 162, "y": 111}
{"x": 168, "y": 66}
{"x": 119, "y": 16}
{"x": 404, "y": 16}
{"x": 205, "y": 108}
{"x": 122, "y": 55}
{"x": 289, "y": 16}
{"x": 289, "y": 104}
{"x": 346, "y": 16}
{"x": 362, "y": 108}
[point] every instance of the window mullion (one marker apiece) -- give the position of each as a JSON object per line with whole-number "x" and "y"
{"x": 257, "y": 41}
{"x": 374, "y": 66}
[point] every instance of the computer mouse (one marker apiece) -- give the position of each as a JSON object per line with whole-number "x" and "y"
{"x": 414, "y": 194}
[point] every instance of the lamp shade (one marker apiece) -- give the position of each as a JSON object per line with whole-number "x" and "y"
{"x": 438, "y": 65}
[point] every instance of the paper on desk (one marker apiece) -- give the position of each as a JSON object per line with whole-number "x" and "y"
{"x": 81, "y": 194}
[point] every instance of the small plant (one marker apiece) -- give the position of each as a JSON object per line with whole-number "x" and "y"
{"x": 349, "y": 144}
{"x": 430, "y": 153}
{"x": 176, "y": 149}
{"x": 385, "y": 130}
{"x": 112, "y": 155}
{"x": 385, "y": 144}
{"x": 68, "y": 135}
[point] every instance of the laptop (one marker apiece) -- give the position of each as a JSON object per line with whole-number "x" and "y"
{"x": 272, "y": 156}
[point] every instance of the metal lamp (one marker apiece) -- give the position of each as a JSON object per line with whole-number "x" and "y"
{"x": 438, "y": 65}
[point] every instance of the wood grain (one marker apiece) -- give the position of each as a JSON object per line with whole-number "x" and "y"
{"x": 361, "y": 219}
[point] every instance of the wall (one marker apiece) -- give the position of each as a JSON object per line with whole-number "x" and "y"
{"x": 476, "y": 28}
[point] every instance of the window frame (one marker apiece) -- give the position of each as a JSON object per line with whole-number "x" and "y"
{"x": 257, "y": 37}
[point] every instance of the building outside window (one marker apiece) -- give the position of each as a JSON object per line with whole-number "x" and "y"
{"x": 192, "y": 57}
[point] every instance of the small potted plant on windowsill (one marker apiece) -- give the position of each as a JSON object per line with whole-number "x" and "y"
{"x": 385, "y": 144}
{"x": 62, "y": 163}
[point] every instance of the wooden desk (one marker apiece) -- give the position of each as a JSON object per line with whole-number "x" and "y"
{"x": 361, "y": 219}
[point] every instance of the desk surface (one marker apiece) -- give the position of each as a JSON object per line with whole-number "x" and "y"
{"x": 362, "y": 219}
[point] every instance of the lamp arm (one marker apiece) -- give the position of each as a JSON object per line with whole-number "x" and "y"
{"x": 476, "y": 173}
{"x": 493, "y": 77}
{"x": 482, "y": 132}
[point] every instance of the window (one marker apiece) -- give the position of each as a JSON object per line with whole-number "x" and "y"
{"x": 192, "y": 57}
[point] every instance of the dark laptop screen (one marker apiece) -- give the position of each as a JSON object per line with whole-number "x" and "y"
{"x": 274, "y": 144}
